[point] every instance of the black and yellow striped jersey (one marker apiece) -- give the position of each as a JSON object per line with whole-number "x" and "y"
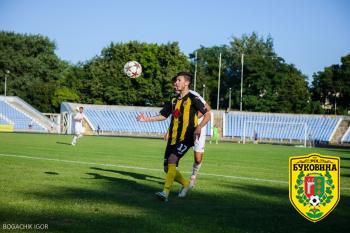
{"x": 184, "y": 117}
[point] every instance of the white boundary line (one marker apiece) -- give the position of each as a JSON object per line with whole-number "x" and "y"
{"x": 148, "y": 169}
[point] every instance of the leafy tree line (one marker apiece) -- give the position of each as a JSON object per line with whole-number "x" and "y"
{"x": 34, "y": 68}
{"x": 331, "y": 87}
{"x": 270, "y": 84}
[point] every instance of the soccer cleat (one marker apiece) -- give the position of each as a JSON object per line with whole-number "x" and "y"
{"x": 73, "y": 144}
{"x": 183, "y": 192}
{"x": 192, "y": 182}
{"x": 162, "y": 196}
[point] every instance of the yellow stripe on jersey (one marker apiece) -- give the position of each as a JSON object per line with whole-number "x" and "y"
{"x": 175, "y": 123}
{"x": 195, "y": 120}
{"x": 186, "y": 117}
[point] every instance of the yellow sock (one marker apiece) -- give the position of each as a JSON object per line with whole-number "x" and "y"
{"x": 179, "y": 178}
{"x": 169, "y": 179}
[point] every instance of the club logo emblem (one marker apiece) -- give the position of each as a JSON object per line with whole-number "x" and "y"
{"x": 314, "y": 182}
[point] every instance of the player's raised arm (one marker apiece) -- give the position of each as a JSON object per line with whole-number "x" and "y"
{"x": 163, "y": 115}
{"x": 143, "y": 118}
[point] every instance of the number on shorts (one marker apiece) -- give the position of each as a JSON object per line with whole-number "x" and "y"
{"x": 182, "y": 148}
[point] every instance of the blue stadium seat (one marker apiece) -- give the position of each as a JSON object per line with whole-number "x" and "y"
{"x": 346, "y": 137}
{"x": 20, "y": 121}
{"x": 318, "y": 127}
{"x": 123, "y": 120}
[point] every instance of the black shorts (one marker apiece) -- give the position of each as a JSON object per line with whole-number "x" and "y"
{"x": 178, "y": 149}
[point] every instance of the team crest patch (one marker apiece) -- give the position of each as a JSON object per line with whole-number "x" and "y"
{"x": 176, "y": 113}
{"x": 314, "y": 182}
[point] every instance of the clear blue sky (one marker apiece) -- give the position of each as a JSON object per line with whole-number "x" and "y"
{"x": 311, "y": 34}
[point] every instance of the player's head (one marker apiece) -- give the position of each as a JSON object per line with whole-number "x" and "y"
{"x": 183, "y": 81}
{"x": 81, "y": 109}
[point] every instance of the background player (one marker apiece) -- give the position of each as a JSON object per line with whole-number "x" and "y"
{"x": 78, "y": 127}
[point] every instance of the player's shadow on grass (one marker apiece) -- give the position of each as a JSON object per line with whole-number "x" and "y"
{"x": 339, "y": 151}
{"x": 344, "y": 158}
{"x": 111, "y": 204}
{"x": 64, "y": 143}
{"x": 119, "y": 181}
{"x": 345, "y": 175}
{"x": 262, "y": 190}
{"x": 51, "y": 173}
{"x": 132, "y": 175}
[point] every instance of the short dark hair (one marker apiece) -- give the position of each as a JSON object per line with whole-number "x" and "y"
{"x": 173, "y": 79}
{"x": 188, "y": 76}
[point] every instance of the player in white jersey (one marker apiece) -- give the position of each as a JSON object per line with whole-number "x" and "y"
{"x": 199, "y": 143}
{"x": 78, "y": 126}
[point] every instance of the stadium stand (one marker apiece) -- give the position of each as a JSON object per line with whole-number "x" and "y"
{"x": 22, "y": 116}
{"x": 346, "y": 137}
{"x": 4, "y": 121}
{"x": 280, "y": 126}
{"x": 121, "y": 119}
{"x": 20, "y": 121}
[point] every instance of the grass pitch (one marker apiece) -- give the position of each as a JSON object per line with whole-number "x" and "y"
{"x": 107, "y": 184}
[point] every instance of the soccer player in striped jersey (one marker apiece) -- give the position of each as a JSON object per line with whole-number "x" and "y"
{"x": 199, "y": 143}
{"x": 183, "y": 129}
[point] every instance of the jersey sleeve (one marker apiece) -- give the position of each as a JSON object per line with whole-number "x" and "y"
{"x": 199, "y": 105}
{"x": 166, "y": 110}
{"x": 199, "y": 96}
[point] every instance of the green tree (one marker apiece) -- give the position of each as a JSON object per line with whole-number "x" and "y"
{"x": 331, "y": 87}
{"x": 106, "y": 83}
{"x": 34, "y": 68}
{"x": 270, "y": 84}
{"x": 207, "y": 72}
{"x": 64, "y": 94}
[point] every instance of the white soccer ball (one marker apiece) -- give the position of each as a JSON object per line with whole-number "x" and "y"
{"x": 132, "y": 69}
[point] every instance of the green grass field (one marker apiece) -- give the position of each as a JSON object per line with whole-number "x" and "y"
{"x": 107, "y": 184}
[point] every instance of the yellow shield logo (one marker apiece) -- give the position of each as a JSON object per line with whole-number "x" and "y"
{"x": 314, "y": 182}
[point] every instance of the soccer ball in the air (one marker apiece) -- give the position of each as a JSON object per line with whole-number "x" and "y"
{"x": 132, "y": 69}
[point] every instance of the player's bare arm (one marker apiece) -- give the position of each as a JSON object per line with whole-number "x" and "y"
{"x": 207, "y": 106}
{"x": 143, "y": 118}
{"x": 206, "y": 119}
